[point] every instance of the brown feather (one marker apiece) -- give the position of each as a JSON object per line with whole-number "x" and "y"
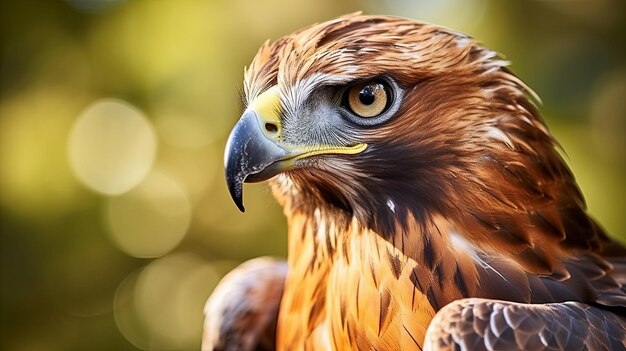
{"x": 243, "y": 309}
{"x": 483, "y": 204}
{"x": 478, "y": 324}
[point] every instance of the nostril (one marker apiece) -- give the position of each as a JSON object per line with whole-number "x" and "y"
{"x": 271, "y": 127}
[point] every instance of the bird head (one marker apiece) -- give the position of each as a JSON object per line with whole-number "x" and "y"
{"x": 384, "y": 118}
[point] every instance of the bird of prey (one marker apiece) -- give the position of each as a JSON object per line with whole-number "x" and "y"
{"x": 427, "y": 203}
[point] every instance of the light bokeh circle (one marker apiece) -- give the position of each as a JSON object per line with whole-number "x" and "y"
{"x": 151, "y": 219}
{"x": 160, "y": 307}
{"x": 111, "y": 146}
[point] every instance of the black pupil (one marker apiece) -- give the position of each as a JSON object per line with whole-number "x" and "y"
{"x": 367, "y": 95}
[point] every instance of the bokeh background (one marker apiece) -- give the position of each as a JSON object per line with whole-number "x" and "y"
{"x": 116, "y": 223}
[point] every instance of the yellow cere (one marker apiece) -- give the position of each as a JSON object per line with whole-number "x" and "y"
{"x": 266, "y": 105}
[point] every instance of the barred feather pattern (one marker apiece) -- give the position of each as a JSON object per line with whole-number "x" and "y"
{"x": 479, "y": 324}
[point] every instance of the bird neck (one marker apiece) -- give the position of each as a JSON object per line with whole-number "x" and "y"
{"x": 321, "y": 235}
{"x": 335, "y": 261}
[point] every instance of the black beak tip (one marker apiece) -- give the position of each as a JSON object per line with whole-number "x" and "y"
{"x": 235, "y": 187}
{"x": 239, "y": 203}
{"x": 240, "y": 206}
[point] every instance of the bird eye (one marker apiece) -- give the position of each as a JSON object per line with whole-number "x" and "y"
{"x": 368, "y": 99}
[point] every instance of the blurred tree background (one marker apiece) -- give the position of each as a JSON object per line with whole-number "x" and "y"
{"x": 116, "y": 223}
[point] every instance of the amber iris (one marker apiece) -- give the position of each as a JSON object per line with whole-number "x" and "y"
{"x": 368, "y": 99}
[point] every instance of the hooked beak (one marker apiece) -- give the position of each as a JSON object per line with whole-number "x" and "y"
{"x": 255, "y": 151}
{"x": 249, "y": 153}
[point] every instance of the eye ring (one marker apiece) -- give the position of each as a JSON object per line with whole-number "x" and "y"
{"x": 394, "y": 95}
{"x": 367, "y": 99}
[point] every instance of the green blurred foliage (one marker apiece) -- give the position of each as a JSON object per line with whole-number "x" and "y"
{"x": 68, "y": 282}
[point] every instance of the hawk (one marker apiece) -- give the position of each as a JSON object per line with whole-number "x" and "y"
{"x": 427, "y": 204}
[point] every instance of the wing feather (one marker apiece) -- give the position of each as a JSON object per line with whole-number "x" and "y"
{"x": 480, "y": 324}
{"x": 242, "y": 312}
